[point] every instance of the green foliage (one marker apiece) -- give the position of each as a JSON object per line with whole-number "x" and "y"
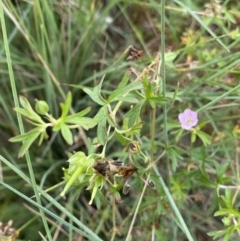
{"x": 61, "y": 124}
{"x": 231, "y": 219}
{"x": 117, "y": 109}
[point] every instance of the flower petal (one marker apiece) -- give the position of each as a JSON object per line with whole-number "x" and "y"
{"x": 181, "y": 117}
{"x": 188, "y": 119}
{"x": 186, "y": 127}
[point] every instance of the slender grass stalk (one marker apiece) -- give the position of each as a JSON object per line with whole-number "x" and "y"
{"x": 174, "y": 207}
{"x": 194, "y": 15}
{"x": 113, "y": 219}
{"x": 51, "y": 200}
{"x": 15, "y": 97}
{"x": 163, "y": 91}
{"x": 219, "y": 98}
{"x": 136, "y": 211}
{"x": 92, "y": 236}
{"x": 163, "y": 74}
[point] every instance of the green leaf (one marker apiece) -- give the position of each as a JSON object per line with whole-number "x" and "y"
{"x": 124, "y": 80}
{"x": 98, "y": 88}
{"x": 193, "y": 137}
{"x": 120, "y": 93}
{"x": 170, "y": 57}
{"x": 217, "y": 234}
{"x": 94, "y": 96}
{"x": 228, "y": 198}
{"x": 229, "y": 233}
{"x": 100, "y": 199}
{"x": 121, "y": 85}
{"x": 26, "y": 135}
{"x": 205, "y": 138}
{"x": 25, "y": 104}
{"x": 85, "y": 122}
{"x": 78, "y": 115}
{"x": 202, "y": 124}
{"x": 174, "y": 95}
{"x": 135, "y": 129}
{"x": 22, "y": 111}
{"x": 101, "y": 118}
{"x": 30, "y": 115}
{"x": 96, "y": 93}
{"x": 66, "y": 106}
{"x": 175, "y": 157}
{"x": 42, "y": 137}
{"x": 178, "y": 134}
{"x": 134, "y": 113}
{"x": 129, "y": 99}
{"x": 110, "y": 121}
{"x": 102, "y": 132}
{"x": 226, "y": 211}
{"x": 121, "y": 138}
{"x": 67, "y": 134}
{"x": 156, "y": 100}
{"x": 205, "y": 180}
{"x": 149, "y": 92}
{"x": 24, "y": 148}
{"x": 221, "y": 169}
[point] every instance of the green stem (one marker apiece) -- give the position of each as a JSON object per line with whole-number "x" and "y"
{"x": 153, "y": 125}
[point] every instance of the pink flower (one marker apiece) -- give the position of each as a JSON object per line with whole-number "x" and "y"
{"x": 188, "y": 119}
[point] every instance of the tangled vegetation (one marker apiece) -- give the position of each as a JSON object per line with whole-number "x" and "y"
{"x": 120, "y": 120}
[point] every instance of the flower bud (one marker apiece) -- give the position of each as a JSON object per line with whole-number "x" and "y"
{"x": 41, "y": 107}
